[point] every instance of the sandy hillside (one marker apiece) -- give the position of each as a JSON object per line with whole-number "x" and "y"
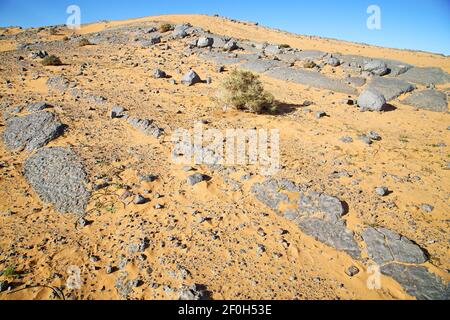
{"x": 224, "y": 234}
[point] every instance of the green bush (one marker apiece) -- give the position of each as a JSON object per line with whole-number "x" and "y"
{"x": 243, "y": 90}
{"x": 166, "y": 28}
{"x": 51, "y": 61}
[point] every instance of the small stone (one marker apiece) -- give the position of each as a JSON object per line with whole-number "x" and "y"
{"x": 4, "y": 285}
{"x": 261, "y": 232}
{"x": 382, "y": 191}
{"x": 346, "y": 139}
{"x": 196, "y": 178}
{"x": 427, "y": 208}
{"x": 139, "y": 199}
{"x": 208, "y": 80}
{"x": 94, "y": 259}
{"x": 320, "y": 114}
{"x": 352, "y": 271}
{"x": 220, "y": 69}
{"x": 260, "y": 249}
{"x": 117, "y": 112}
{"x": 374, "y": 136}
{"x": 82, "y": 222}
{"x": 109, "y": 269}
{"x": 159, "y": 74}
{"x": 159, "y": 206}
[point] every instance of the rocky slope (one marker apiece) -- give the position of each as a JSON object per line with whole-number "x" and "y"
{"x": 92, "y": 207}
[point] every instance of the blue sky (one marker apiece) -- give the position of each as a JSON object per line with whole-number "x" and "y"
{"x": 411, "y": 24}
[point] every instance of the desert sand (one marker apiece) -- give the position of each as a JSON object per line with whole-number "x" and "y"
{"x": 211, "y": 233}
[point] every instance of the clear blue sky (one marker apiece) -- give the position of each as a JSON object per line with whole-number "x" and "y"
{"x": 412, "y": 24}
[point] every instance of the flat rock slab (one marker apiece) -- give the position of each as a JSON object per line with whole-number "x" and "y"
{"x": 294, "y": 56}
{"x": 262, "y": 66}
{"x": 316, "y": 214}
{"x": 147, "y": 127}
{"x": 386, "y": 246}
{"x": 58, "y": 177}
{"x": 391, "y": 88}
{"x": 31, "y": 132}
{"x": 418, "y": 281}
{"x": 334, "y": 235}
{"x": 426, "y": 76}
{"x": 429, "y": 100}
{"x": 221, "y": 58}
{"x": 311, "y": 78}
{"x": 395, "y": 67}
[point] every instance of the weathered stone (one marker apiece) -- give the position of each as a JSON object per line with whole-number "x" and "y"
{"x": 58, "y": 177}
{"x": 147, "y": 127}
{"x": 58, "y": 83}
{"x": 390, "y": 88}
{"x": 428, "y": 100}
{"x": 191, "y": 78}
{"x": 310, "y": 78}
{"x": 272, "y": 50}
{"x": 386, "y": 246}
{"x": 262, "y": 66}
{"x": 117, "y": 112}
{"x": 32, "y": 131}
{"x": 376, "y": 67}
{"x": 335, "y": 235}
{"x": 204, "y": 42}
{"x": 159, "y": 74}
{"x": 371, "y": 100}
{"x": 196, "y": 179}
{"x": 418, "y": 281}
{"x": 426, "y": 76}
{"x": 193, "y": 293}
{"x": 38, "y": 106}
{"x": 230, "y": 46}
{"x": 334, "y": 62}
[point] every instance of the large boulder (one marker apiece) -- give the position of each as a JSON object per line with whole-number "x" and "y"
{"x": 429, "y": 100}
{"x": 58, "y": 177}
{"x": 32, "y": 131}
{"x": 204, "y": 42}
{"x": 371, "y": 100}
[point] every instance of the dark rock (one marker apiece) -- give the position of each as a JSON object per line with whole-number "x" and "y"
{"x": 371, "y": 100}
{"x": 193, "y": 293}
{"x": 31, "y": 132}
{"x": 428, "y": 100}
{"x": 58, "y": 177}
{"x": 196, "y": 178}
{"x": 418, "y": 281}
{"x": 191, "y": 78}
{"x": 390, "y": 88}
{"x": 352, "y": 271}
{"x": 386, "y": 246}
{"x": 426, "y": 76}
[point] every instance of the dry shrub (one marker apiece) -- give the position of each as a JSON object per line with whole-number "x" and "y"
{"x": 51, "y": 61}
{"x": 165, "y": 28}
{"x": 84, "y": 42}
{"x": 243, "y": 90}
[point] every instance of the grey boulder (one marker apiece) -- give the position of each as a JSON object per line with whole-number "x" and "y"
{"x": 376, "y": 67}
{"x": 371, "y": 100}
{"x": 191, "y": 78}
